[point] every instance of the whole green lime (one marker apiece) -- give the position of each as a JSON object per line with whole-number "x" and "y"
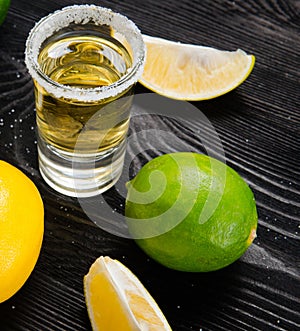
{"x": 4, "y": 5}
{"x": 191, "y": 212}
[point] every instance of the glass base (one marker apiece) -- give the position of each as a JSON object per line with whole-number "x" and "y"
{"x": 81, "y": 175}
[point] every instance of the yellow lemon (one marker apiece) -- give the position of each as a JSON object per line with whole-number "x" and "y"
{"x": 21, "y": 229}
{"x": 192, "y": 72}
{"x": 117, "y": 300}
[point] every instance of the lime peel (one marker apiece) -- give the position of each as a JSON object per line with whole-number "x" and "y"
{"x": 191, "y": 245}
{"x": 4, "y": 5}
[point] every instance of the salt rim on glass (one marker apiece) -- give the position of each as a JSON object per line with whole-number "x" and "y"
{"x": 83, "y": 14}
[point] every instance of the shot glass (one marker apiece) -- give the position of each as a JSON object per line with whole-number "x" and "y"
{"x": 84, "y": 61}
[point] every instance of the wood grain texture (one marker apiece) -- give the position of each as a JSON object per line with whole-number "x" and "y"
{"x": 258, "y": 125}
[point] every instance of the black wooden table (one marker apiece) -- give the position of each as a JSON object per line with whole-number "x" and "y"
{"x": 258, "y": 124}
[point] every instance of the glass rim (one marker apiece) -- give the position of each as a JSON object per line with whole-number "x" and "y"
{"x": 83, "y": 14}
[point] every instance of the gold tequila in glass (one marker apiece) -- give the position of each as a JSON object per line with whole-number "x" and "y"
{"x": 84, "y": 61}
